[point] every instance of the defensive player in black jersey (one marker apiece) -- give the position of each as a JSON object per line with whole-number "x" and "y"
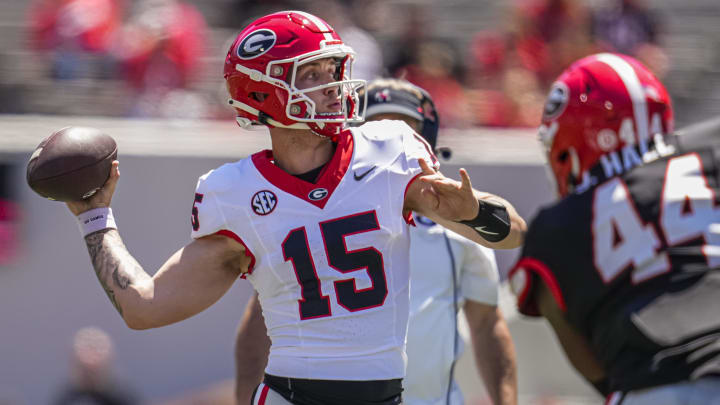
{"x": 625, "y": 266}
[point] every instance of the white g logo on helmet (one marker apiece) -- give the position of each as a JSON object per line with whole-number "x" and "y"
{"x": 256, "y": 43}
{"x": 556, "y": 101}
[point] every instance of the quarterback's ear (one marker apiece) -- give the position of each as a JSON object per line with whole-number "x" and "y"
{"x": 259, "y": 97}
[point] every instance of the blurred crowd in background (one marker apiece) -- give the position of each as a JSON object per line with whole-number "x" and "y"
{"x": 486, "y": 63}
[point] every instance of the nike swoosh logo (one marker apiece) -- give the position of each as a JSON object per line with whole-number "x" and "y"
{"x": 360, "y": 177}
{"x": 482, "y": 229}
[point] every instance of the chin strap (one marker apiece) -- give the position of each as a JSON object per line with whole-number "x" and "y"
{"x": 247, "y": 123}
{"x": 265, "y": 120}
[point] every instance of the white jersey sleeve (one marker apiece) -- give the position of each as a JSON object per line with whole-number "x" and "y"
{"x": 396, "y": 144}
{"x": 479, "y": 274}
{"x": 416, "y": 148}
{"x": 207, "y": 217}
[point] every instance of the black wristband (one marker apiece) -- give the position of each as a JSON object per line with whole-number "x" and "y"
{"x": 492, "y": 221}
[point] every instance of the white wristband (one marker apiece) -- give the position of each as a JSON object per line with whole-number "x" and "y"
{"x": 95, "y": 220}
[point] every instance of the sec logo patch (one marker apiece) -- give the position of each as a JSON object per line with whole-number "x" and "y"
{"x": 264, "y": 202}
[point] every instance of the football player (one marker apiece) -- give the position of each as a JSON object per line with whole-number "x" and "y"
{"x": 447, "y": 272}
{"x": 625, "y": 266}
{"x": 318, "y": 224}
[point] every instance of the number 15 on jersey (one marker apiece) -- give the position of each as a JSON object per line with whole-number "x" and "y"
{"x": 314, "y": 303}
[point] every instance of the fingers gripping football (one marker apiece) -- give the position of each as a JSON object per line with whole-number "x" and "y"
{"x": 450, "y": 199}
{"x": 102, "y": 198}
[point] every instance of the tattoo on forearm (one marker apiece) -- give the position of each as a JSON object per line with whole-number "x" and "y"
{"x": 114, "y": 267}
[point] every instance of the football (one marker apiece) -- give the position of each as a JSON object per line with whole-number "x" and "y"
{"x": 71, "y": 164}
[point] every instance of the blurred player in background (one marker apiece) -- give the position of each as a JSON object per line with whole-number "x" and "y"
{"x": 317, "y": 224}
{"x": 625, "y": 265}
{"x": 448, "y": 272}
{"x": 93, "y": 372}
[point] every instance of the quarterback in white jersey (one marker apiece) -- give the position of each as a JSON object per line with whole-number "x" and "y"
{"x": 448, "y": 273}
{"x": 316, "y": 223}
{"x": 330, "y": 262}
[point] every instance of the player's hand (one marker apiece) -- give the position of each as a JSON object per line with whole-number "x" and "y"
{"x": 450, "y": 199}
{"x": 102, "y": 198}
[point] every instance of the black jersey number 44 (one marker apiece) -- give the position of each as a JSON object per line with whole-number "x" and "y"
{"x": 634, "y": 261}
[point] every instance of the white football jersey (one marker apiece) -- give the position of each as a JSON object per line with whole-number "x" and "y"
{"x": 446, "y": 269}
{"x": 330, "y": 259}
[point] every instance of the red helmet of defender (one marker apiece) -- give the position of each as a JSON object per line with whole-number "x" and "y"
{"x": 261, "y": 68}
{"x": 599, "y": 105}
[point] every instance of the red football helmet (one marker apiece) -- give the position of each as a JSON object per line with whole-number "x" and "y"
{"x": 598, "y": 105}
{"x": 261, "y": 67}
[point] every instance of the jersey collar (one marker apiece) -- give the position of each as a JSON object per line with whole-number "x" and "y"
{"x": 328, "y": 180}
